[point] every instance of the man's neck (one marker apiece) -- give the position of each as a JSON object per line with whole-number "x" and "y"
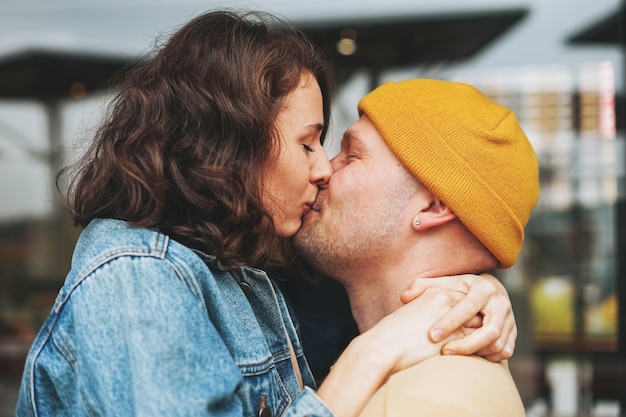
{"x": 374, "y": 284}
{"x": 374, "y": 291}
{"x": 370, "y": 303}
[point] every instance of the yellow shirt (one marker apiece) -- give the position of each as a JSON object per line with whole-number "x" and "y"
{"x": 448, "y": 386}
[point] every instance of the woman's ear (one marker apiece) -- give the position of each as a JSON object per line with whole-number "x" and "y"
{"x": 437, "y": 213}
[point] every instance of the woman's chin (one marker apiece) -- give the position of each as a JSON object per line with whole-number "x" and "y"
{"x": 288, "y": 229}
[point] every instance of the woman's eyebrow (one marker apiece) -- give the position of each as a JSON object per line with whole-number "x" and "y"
{"x": 318, "y": 127}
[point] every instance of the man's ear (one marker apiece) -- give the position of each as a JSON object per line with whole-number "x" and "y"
{"x": 435, "y": 214}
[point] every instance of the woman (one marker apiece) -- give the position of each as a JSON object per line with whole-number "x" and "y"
{"x": 212, "y": 150}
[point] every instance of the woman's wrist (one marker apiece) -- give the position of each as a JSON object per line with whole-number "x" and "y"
{"x": 361, "y": 367}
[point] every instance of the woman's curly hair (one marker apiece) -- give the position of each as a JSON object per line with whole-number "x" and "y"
{"x": 187, "y": 136}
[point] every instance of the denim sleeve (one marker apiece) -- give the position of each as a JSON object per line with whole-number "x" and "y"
{"x": 308, "y": 404}
{"x": 143, "y": 345}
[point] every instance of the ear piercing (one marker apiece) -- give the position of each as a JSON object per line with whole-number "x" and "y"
{"x": 417, "y": 222}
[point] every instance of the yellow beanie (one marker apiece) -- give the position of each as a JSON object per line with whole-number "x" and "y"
{"x": 467, "y": 150}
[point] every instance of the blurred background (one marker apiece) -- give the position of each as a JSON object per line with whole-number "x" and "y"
{"x": 558, "y": 64}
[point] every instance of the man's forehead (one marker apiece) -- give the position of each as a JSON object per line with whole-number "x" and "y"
{"x": 357, "y": 135}
{"x": 350, "y": 136}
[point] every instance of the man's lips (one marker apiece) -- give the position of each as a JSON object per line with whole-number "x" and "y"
{"x": 309, "y": 208}
{"x": 316, "y": 206}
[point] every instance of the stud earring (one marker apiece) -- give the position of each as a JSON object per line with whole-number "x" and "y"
{"x": 417, "y": 222}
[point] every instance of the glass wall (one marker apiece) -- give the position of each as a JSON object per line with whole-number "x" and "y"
{"x": 567, "y": 289}
{"x": 566, "y": 281}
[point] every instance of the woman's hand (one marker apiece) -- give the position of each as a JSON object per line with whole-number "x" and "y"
{"x": 410, "y": 325}
{"x": 486, "y": 306}
{"x": 396, "y": 342}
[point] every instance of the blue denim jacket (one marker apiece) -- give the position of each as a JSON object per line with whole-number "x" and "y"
{"x": 145, "y": 326}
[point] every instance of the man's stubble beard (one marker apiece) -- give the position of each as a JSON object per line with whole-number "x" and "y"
{"x": 349, "y": 244}
{"x": 319, "y": 251}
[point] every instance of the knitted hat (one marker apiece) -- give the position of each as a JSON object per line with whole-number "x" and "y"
{"x": 467, "y": 150}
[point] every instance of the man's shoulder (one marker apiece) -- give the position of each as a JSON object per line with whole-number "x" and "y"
{"x": 450, "y": 385}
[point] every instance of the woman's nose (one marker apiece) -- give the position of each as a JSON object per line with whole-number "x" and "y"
{"x": 321, "y": 169}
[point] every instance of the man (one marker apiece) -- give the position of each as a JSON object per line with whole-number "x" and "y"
{"x": 433, "y": 179}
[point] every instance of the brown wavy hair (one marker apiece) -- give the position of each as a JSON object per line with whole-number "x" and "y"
{"x": 186, "y": 137}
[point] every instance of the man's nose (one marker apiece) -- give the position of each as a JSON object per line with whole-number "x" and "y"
{"x": 337, "y": 162}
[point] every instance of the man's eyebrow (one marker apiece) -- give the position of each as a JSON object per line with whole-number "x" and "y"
{"x": 350, "y": 136}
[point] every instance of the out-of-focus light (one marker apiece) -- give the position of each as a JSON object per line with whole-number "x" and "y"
{"x": 607, "y": 122}
{"x": 597, "y": 99}
{"x": 346, "y": 46}
{"x": 347, "y": 42}
{"x": 77, "y": 90}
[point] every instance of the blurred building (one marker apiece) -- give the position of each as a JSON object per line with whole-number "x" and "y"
{"x": 558, "y": 64}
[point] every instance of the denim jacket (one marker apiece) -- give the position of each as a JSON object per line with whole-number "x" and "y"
{"x": 145, "y": 326}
